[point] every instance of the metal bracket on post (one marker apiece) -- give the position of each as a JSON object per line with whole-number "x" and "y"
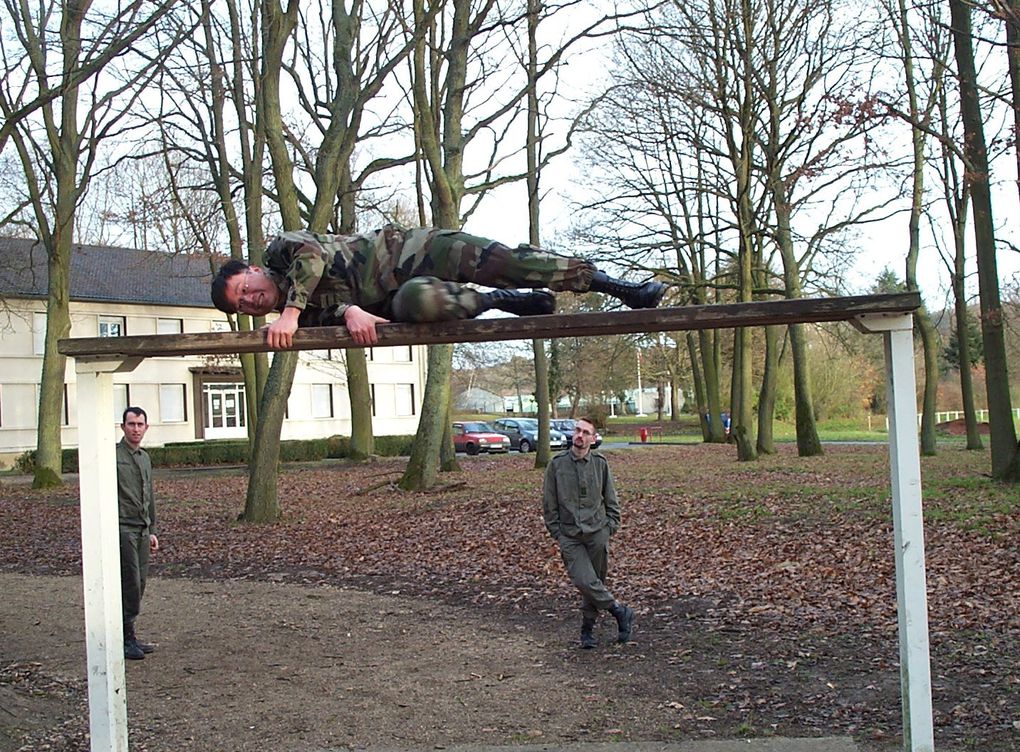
{"x": 908, "y": 526}
{"x": 100, "y": 549}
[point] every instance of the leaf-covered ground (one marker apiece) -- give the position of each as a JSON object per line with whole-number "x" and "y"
{"x": 765, "y": 590}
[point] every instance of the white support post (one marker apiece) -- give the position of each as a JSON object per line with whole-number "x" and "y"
{"x": 100, "y": 548}
{"x": 908, "y": 528}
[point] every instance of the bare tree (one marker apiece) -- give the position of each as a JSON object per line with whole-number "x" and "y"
{"x": 1003, "y": 439}
{"x": 758, "y": 105}
{"x": 59, "y": 141}
{"x": 467, "y": 94}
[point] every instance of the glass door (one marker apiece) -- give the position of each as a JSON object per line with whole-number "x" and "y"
{"x": 224, "y": 411}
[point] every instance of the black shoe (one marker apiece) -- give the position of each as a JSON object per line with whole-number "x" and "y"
{"x": 624, "y": 620}
{"x": 132, "y": 651}
{"x": 588, "y": 640}
{"x": 145, "y": 647}
{"x": 530, "y": 303}
{"x": 631, "y": 294}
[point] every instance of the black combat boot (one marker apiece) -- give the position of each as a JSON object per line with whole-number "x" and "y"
{"x": 624, "y": 620}
{"x": 520, "y": 303}
{"x": 132, "y": 650}
{"x": 145, "y": 647}
{"x": 632, "y": 294}
{"x": 588, "y": 640}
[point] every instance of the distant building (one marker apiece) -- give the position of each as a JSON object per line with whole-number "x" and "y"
{"x": 478, "y": 400}
{"x": 523, "y": 404}
{"x": 122, "y": 291}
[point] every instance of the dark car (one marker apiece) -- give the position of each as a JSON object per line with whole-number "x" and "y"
{"x": 475, "y": 437}
{"x": 523, "y": 434}
{"x": 566, "y": 426}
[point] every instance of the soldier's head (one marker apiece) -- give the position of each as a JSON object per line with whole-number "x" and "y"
{"x": 134, "y": 424}
{"x": 240, "y": 288}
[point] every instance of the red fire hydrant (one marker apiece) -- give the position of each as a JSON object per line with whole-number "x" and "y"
{"x": 643, "y": 433}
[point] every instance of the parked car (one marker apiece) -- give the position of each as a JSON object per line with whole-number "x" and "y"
{"x": 566, "y": 426}
{"x": 523, "y": 434}
{"x": 478, "y": 437}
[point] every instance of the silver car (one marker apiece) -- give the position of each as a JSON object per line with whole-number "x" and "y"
{"x": 523, "y": 434}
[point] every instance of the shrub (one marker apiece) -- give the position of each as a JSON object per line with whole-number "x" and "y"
{"x": 304, "y": 450}
{"x": 394, "y": 446}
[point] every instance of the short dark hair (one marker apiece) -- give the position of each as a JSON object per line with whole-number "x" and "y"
{"x": 219, "y": 284}
{"x": 133, "y": 411}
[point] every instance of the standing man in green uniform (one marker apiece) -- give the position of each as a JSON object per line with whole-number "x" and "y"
{"x": 137, "y": 524}
{"x": 581, "y": 514}
{"x": 400, "y": 274}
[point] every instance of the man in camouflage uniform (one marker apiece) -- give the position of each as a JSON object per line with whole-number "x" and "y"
{"x": 401, "y": 274}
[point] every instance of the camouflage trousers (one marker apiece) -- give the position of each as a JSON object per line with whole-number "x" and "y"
{"x": 419, "y": 274}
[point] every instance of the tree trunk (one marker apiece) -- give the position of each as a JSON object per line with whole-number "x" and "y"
{"x": 543, "y": 453}
{"x": 808, "y": 443}
{"x": 262, "y": 502}
{"x": 700, "y": 398}
{"x": 66, "y": 149}
{"x": 422, "y": 467}
{"x": 359, "y": 391}
{"x": 929, "y": 337}
{"x": 48, "y": 453}
{"x": 713, "y": 401}
{"x": 930, "y": 348}
{"x": 767, "y": 396}
{"x": 1012, "y": 22}
{"x": 1004, "y": 450}
{"x": 962, "y": 326}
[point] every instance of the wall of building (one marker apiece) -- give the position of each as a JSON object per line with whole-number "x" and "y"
{"x": 169, "y": 389}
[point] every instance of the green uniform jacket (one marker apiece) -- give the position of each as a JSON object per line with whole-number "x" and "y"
{"x": 134, "y": 488}
{"x": 578, "y": 496}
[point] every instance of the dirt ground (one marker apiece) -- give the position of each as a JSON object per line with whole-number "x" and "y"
{"x": 264, "y": 666}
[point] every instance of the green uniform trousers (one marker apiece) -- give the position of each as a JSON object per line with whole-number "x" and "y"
{"x": 587, "y": 560}
{"x": 134, "y": 570}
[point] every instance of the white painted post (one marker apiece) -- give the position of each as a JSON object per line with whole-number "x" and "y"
{"x": 100, "y": 555}
{"x": 908, "y": 528}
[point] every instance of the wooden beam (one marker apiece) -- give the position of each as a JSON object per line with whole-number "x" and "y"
{"x": 722, "y": 316}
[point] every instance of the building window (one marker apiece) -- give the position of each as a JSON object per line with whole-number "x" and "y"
{"x": 219, "y": 326}
{"x": 169, "y": 326}
{"x": 39, "y": 333}
{"x": 402, "y": 354}
{"x": 112, "y": 326}
{"x": 172, "y": 405}
{"x": 404, "y": 399}
{"x": 121, "y": 401}
{"x": 322, "y": 401}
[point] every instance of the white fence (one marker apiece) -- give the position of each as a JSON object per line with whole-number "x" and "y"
{"x": 982, "y": 415}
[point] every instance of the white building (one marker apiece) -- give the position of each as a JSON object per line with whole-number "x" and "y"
{"x": 120, "y": 291}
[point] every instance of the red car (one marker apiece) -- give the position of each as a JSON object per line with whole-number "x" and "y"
{"x": 478, "y": 437}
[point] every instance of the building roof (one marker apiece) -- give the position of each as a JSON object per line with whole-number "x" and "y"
{"x": 105, "y": 274}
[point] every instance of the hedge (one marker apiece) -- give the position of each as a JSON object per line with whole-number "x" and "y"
{"x": 233, "y": 452}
